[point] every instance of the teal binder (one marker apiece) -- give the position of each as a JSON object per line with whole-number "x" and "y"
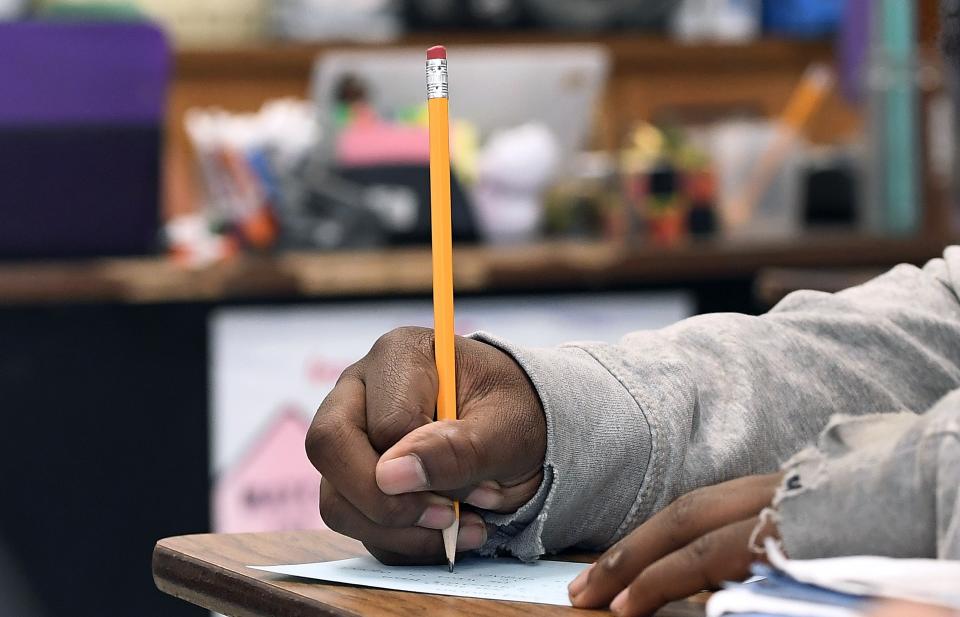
{"x": 895, "y": 170}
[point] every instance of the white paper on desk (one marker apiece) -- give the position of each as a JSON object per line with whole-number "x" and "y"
{"x": 743, "y": 600}
{"x": 541, "y": 582}
{"x": 931, "y": 581}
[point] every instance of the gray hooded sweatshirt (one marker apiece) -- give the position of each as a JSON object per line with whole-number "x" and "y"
{"x": 873, "y": 370}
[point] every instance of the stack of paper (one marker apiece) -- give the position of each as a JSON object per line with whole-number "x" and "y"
{"x": 838, "y": 587}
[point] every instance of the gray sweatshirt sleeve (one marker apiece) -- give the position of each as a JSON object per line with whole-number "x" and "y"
{"x": 633, "y": 425}
{"x": 881, "y": 485}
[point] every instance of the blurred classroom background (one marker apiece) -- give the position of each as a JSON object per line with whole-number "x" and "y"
{"x": 209, "y": 208}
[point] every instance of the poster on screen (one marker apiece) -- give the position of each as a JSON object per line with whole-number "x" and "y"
{"x": 272, "y": 366}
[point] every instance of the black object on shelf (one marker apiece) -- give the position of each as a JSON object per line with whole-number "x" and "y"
{"x": 663, "y": 180}
{"x": 367, "y": 207}
{"x": 830, "y": 194}
{"x": 702, "y": 220}
{"x": 391, "y": 189}
{"x": 600, "y": 14}
{"x": 573, "y": 15}
{"x": 466, "y": 14}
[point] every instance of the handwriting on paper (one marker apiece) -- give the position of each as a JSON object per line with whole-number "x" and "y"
{"x": 541, "y": 582}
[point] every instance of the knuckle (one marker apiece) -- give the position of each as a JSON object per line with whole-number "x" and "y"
{"x": 609, "y": 564}
{"x": 354, "y": 371}
{"x": 403, "y": 337}
{"x": 316, "y": 439}
{"x": 314, "y": 444}
{"x": 621, "y": 567}
{"x": 700, "y": 550}
{"x": 613, "y": 568}
{"x": 330, "y": 422}
{"x": 385, "y": 342}
{"x": 324, "y": 440}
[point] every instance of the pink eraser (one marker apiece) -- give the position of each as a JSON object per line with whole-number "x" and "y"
{"x": 437, "y": 52}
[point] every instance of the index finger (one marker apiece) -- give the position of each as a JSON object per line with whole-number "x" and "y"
{"x": 400, "y": 377}
{"x": 686, "y": 519}
{"x": 707, "y": 562}
{"x": 338, "y": 447}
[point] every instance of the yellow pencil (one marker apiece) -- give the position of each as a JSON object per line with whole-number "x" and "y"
{"x": 441, "y": 226}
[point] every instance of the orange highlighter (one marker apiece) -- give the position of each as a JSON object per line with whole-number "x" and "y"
{"x": 440, "y": 221}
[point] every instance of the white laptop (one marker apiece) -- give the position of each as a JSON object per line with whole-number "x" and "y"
{"x": 495, "y": 87}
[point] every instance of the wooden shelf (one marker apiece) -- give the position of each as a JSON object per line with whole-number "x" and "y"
{"x": 557, "y": 265}
{"x": 653, "y": 77}
{"x": 629, "y": 51}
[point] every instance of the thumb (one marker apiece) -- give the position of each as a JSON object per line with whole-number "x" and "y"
{"x": 458, "y": 455}
{"x": 440, "y": 456}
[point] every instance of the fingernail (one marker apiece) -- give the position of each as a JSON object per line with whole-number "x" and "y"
{"x": 468, "y": 518}
{"x": 486, "y": 498}
{"x": 471, "y": 538}
{"x": 437, "y": 517}
{"x": 619, "y": 603}
{"x": 580, "y": 583}
{"x": 401, "y": 475}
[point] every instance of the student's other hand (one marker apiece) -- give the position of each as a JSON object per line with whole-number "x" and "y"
{"x": 389, "y": 471}
{"x": 699, "y": 541}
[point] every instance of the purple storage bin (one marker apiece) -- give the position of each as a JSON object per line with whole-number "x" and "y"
{"x": 81, "y": 124}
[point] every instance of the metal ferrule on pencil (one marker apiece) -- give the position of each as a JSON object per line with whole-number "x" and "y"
{"x": 437, "y": 84}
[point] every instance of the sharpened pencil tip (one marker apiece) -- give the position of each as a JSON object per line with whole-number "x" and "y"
{"x": 450, "y": 543}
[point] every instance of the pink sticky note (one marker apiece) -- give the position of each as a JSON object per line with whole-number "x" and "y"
{"x": 273, "y": 487}
{"x": 364, "y": 145}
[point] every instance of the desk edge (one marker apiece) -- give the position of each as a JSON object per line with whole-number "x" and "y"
{"x": 219, "y": 589}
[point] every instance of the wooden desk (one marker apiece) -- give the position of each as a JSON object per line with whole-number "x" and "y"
{"x": 209, "y": 570}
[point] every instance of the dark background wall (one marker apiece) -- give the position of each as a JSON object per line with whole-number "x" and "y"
{"x": 103, "y": 450}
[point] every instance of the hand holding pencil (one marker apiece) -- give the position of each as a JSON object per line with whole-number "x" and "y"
{"x": 391, "y": 476}
{"x": 390, "y": 472}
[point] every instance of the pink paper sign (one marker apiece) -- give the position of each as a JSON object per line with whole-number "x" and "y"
{"x": 273, "y": 487}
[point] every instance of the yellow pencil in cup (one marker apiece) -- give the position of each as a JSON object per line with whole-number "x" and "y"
{"x": 441, "y": 228}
